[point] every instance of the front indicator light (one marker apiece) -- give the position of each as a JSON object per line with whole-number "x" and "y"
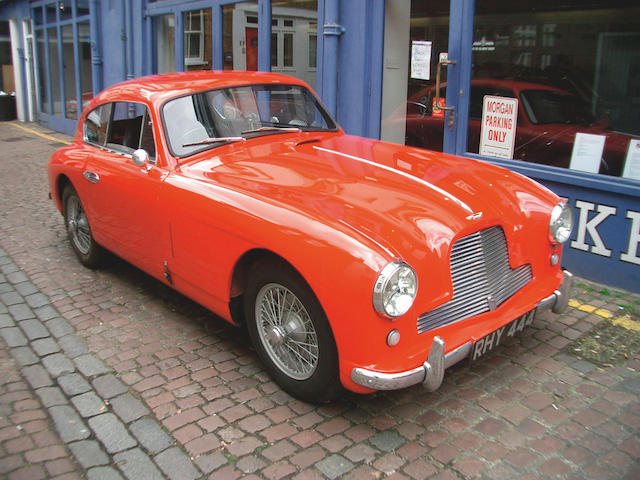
{"x": 395, "y": 289}
{"x": 561, "y": 223}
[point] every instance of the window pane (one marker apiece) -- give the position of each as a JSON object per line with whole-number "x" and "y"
{"x": 43, "y": 74}
{"x": 82, "y": 7}
{"x": 287, "y": 55}
{"x": 313, "y": 43}
{"x": 197, "y": 40}
{"x": 164, "y": 26}
{"x": 54, "y": 63}
{"x": 126, "y": 126}
{"x": 95, "y": 125}
{"x": 233, "y": 112}
{"x": 240, "y": 36}
{"x": 573, "y": 71}
{"x": 68, "y": 62}
{"x": 86, "y": 74}
{"x": 297, "y": 38}
{"x": 65, "y": 9}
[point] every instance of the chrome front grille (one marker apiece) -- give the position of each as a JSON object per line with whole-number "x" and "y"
{"x": 482, "y": 279}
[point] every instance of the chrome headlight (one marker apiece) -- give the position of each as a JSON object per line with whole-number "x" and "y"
{"x": 395, "y": 289}
{"x": 561, "y": 223}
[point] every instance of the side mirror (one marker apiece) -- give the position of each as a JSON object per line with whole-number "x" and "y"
{"x": 140, "y": 157}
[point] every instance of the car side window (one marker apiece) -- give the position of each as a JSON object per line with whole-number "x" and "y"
{"x": 121, "y": 126}
{"x": 126, "y": 126}
{"x": 96, "y": 125}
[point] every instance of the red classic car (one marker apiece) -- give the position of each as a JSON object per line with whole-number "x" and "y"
{"x": 548, "y": 120}
{"x": 350, "y": 261}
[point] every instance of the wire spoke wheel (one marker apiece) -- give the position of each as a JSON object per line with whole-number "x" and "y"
{"x": 76, "y": 222}
{"x": 77, "y": 225}
{"x": 286, "y": 331}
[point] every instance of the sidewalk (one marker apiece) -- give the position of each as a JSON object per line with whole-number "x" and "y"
{"x": 109, "y": 374}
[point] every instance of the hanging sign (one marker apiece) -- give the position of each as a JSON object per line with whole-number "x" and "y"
{"x": 498, "y": 133}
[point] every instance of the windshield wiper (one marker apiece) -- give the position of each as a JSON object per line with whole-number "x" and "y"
{"x": 208, "y": 141}
{"x": 271, "y": 130}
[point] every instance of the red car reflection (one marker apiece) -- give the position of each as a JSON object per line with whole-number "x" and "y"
{"x": 548, "y": 120}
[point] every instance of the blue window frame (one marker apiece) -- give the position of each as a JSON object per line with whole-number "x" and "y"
{"x": 65, "y": 78}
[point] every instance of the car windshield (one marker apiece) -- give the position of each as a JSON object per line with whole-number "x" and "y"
{"x": 215, "y": 117}
{"x": 548, "y": 106}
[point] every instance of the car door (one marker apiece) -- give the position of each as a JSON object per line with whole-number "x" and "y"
{"x": 124, "y": 200}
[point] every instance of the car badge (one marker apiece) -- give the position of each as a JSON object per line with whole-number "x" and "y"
{"x": 475, "y": 216}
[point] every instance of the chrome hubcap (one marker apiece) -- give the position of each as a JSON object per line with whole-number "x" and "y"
{"x": 286, "y": 331}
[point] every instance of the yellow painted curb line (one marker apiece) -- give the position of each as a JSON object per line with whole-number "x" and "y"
{"x": 601, "y": 312}
{"x": 43, "y": 135}
{"x": 624, "y": 321}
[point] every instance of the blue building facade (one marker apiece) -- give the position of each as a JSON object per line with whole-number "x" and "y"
{"x": 385, "y": 69}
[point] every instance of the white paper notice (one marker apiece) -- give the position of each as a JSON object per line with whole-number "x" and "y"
{"x": 421, "y": 60}
{"x": 587, "y": 152}
{"x": 498, "y": 131}
{"x": 632, "y": 162}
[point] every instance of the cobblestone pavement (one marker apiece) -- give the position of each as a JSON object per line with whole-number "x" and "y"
{"x": 109, "y": 374}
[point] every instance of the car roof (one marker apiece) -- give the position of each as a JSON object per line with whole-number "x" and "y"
{"x": 158, "y": 88}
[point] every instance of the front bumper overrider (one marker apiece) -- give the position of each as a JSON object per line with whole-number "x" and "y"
{"x": 431, "y": 372}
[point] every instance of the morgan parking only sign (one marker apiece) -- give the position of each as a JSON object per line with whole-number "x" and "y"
{"x": 498, "y": 133}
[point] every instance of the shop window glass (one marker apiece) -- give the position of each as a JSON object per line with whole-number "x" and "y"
{"x": 197, "y": 39}
{"x": 287, "y": 50}
{"x": 65, "y": 9}
{"x": 54, "y": 69}
{"x": 409, "y": 86}
{"x": 82, "y": 7}
{"x": 86, "y": 74}
{"x": 51, "y": 12}
{"x": 574, "y": 71}
{"x": 240, "y": 36}
{"x": 38, "y": 17}
{"x": 164, "y": 30}
{"x": 313, "y": 42}
{"x": 294, "y": 35}
{"x": 72, "y": 106}
{"x": 43, "y": 91}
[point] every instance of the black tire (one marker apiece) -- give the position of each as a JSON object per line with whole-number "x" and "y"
{"x": 85, "y": 247}
{"x": 297, "y": 345}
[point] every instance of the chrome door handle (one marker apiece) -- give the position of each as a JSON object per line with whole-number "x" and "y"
{"x": 91, "y": 176}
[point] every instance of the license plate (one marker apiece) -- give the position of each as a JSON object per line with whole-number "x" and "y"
{"x": 495, "y": 338}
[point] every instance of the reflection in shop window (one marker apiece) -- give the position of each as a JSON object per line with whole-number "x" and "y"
{"x": 86, "y": 74}
{"x": 54, "y": 69}
{"x": 193, "y": 37}
{"x": 295, "y": 34}
{"x": 313, "y": 43}
{"x": 197, "y": 39}
{"x": 164, "y": 26}
{"x": 572, "y": 71}
{"x": 69, "y": 73}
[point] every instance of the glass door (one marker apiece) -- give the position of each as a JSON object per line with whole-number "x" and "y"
{"x": 424, "y": 68}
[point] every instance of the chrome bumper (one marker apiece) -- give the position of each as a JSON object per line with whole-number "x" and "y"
{"x": 431, "y": 372}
